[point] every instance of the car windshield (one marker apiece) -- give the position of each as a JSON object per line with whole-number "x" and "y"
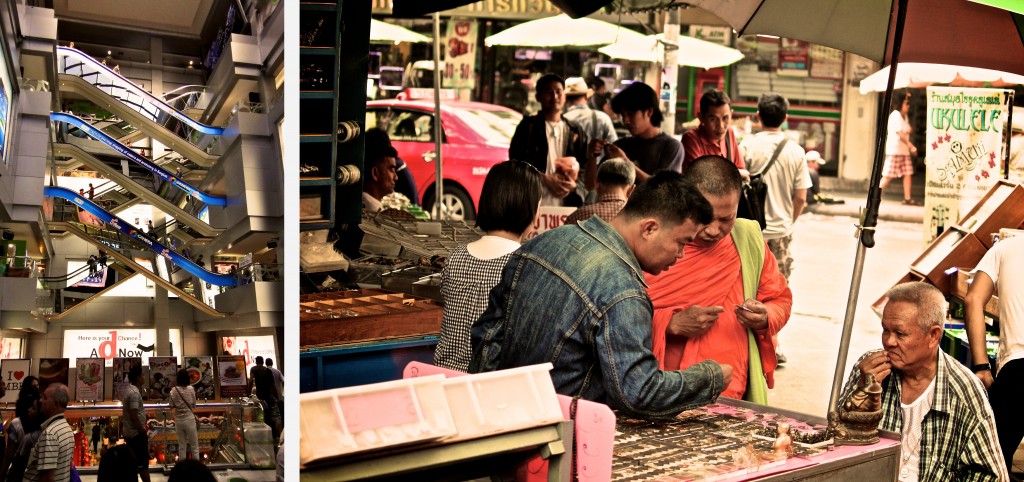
{"x": 496, "y": 126}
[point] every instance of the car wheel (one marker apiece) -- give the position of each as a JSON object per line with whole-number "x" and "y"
{"x": 456, "y": 203}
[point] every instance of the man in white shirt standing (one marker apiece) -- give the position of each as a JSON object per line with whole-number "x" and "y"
{"x": 1000, "y": 269}
{"x": 787, "y": 179}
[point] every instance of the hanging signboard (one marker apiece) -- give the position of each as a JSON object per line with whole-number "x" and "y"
{"x": 460, "y": 54}
{"x": 14, "y": 372}
{"x": 89, "y": 379}
{"x": 964, "y": 149}
{"x": 233, "y": 381}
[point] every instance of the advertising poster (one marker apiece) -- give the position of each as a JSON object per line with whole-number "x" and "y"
{"x": 964, "y": 152}
{"x": 53, "y": 370}
{"x": 232, "y": 376}
{"x": 200, "y": 374}
{"x": 112, "y": 343}
{"x": 14, "y": 372}
{"x": 460, "y": 59}
{"x": 10, "y": 347}
{"x": 89, "y": 379}
{"x": 249, "y": 347}
{"x": 162, "y": 376}
{"x": 123, "y": 365}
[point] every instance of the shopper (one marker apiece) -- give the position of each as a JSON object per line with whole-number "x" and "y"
{"x": 191, "y": 471}
{"x": 50, "y": 459}
{"x": 1000, "y": 270}
{"x": 133, "y": 421}
{"x": 118, "y": 464}
{"x": 938, "y": 405}
{"x": 22, "y": 432}
{"x": 508, "y": 207}
{"x": 575, "y": 297}
{"x": 616, "y": 179}
{"x": 647, "y": 147}
{"x": 714, "y": 135}
{"x": 898, "y": 148}
{"x": 381, "y": 169}
{"x": 279, "y": 384}
{"x": 262, "y": 380}
{"x": 594, "y": 123}
{"x": 183, "y": 401}
{"x": 543, "y": 139}
{"x": 702, "y": 310}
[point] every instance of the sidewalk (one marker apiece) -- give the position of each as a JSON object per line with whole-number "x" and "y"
{"x": 854, "y": 196}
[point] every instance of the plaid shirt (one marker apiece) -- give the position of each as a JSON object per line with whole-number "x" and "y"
{"x": 958, "y": 434}
{"x": 606, "y": 208}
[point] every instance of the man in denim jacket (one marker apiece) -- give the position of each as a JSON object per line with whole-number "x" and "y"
{"x": 575, "y": 296}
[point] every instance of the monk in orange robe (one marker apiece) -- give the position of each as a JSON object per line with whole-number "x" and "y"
{"x": 697, "y": 302}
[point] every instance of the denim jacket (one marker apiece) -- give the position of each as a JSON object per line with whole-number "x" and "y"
{"x": 575, "y": 296}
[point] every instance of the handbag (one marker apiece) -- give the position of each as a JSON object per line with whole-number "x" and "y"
{"x": 751, "y": 249}
{"x": 754, "y": 192}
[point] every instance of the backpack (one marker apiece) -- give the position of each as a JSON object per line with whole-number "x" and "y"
{"x": 754, "y": 193}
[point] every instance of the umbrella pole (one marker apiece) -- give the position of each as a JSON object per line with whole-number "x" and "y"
{"x": 1009, "y": 135}
{"x": 869, "y": 217}
{"x": 439, "y": 186}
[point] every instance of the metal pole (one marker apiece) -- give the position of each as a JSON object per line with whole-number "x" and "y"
{"x": 869, "y": 219}
{"x": 1008, "y": 133}
{"x": 439, "y": 183}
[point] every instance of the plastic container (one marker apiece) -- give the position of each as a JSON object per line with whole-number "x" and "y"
{"x": 504, "y": 400}
{"x": 259, "y": 445}
{"x": 368, "y": 417}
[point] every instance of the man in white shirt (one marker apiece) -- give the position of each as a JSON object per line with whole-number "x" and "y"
{"x": 787, "y": 179}
{"x": 1000, "y": 270}
{"x": 380, "y": 170}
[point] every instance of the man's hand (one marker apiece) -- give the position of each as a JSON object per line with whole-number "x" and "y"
{"x": 596, "y": 146}
{"x": 694, "y": 321}
{"x": 612, "y": 151}
{"x": 557, "y": 185}
{"x": 876, "y": 364}
{"x": 726, "y": 375}
{"x": 986, "y": 378}
{"x": 752, "y": 314}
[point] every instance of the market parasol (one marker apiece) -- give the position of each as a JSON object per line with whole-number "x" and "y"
{"x": 913, "y": 74}
{"x": 691, "y": 51}
{"x": 383, "y": 32}
{"x": 562, "y": 31}
{"x": 956, "y": 32}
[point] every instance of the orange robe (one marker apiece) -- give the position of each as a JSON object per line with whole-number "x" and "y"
{"x": 712, "y": 277}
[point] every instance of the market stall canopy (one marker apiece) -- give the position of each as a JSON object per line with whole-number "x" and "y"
{"x": 419, "y": 8}
{"x": 562, "y": 31}
{"x": 382, "y": 32}
{"x": 955, "y": 32}
{"x": 691, "y": 51}
{"x": 922, "y": 75}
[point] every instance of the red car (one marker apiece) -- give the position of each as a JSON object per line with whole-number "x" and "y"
{"x": 475, "y": 137}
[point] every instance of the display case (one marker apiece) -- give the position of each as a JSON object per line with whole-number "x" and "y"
{"x": 318, "y": 102}
{"x": 220, "y": 425}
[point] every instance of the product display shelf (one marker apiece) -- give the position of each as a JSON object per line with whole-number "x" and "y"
{"x": 460, "y": 460}
{"x": 336, "y": 318}
{"x": 318, "y": 98}
{"x": 221, "y": 444}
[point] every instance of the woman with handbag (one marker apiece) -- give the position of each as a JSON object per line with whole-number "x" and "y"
{"x": 183, "y": 401}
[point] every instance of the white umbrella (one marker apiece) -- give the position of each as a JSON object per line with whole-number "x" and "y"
{"x": 382, "y": 32}
{"x": 692, "y": 52}
{"x": 910, "y": 74}
{"x": 561, "y": 31}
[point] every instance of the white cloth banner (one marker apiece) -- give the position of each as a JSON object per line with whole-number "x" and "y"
{"x": 964, "y": 150}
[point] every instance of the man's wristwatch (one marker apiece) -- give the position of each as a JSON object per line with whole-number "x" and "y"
{"x": 980, "y": 366}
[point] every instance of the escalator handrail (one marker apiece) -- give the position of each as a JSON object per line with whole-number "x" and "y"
{"x": 123, "y": 150}
{"x": 132, "y": 232}
{"x": 85, "y": 59}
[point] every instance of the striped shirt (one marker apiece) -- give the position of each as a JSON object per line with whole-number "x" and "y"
{"x": 53, "y": 451}
{"x": 466, "y": 284}
{"x": 958, "y": 434}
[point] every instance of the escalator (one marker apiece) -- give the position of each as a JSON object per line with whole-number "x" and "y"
{"x": 71, "y": 300}
{"x": 83, "y": 75}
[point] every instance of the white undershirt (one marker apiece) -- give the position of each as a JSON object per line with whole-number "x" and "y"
{"x": 491, "y": 247}
{"x": 556, "y": 148}
{"x": 910, "y": 450}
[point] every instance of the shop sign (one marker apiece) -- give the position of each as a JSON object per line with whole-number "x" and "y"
{"x": 548, "y": 218}
{"x": 245, "y": 261}
{"x": 963, "y": 152}
{"x": 89, "y": 379}
{"x": 793, "y": 56}
{"x": 713, "y": 34}
{"x": 490, "y": 9}
{"x": 460, "y": 54}
{"x": 14, "y": 372}
{"x": 250, "y": 347}
{"x": 826, "y": 62}
{"x": 109, "y": 344}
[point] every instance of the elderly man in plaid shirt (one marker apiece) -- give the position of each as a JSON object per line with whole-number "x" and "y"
{"x": 938, "y": 405}
{"x": 615, "y": 182}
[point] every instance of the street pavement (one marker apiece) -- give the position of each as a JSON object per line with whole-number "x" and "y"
{"x": 824, "y": 250}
